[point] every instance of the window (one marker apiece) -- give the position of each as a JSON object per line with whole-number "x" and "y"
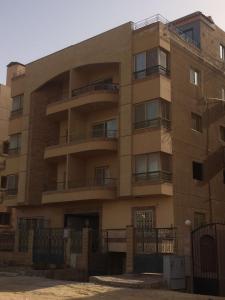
{"x": 153, "y": 166}
{"x": 222, "y": 52}
{"x": 151, "y": 61}
{"x": 12, "y": 184}
{"x": 197, "y": 169}
{"x": 140, "y": 64}
{"x": 144, "y": 218}
{"x": 105, "y": 129}
{"x": 223, "y": 176}
{"x": 17, "y": 104}
{"x": 3, "y": 182}
{"x": 4, "y": 218}
{"x": 194, "y": 77}
{"x": 152, "y": 114}
{"x": 199, "y": 219}
{"x": 102, "y": 175}
{"x": 222, "y": 133}
{"x": 189, "y": 34}
{"x": 14, "y": 143}
{"x": 196, "y": 122}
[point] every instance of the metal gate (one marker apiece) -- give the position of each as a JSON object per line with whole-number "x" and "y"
{"x": 208, "y": 257}
{"x": 151, "y": 244}
{"x": 48, "y": 247}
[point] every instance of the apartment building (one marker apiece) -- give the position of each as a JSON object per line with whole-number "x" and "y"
{"x": 6, "y": 214}
{"x": 120, "y": 130}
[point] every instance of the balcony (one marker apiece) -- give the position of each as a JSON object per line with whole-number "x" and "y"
{"x": 153, "y": 123}
{"x": 83, "y": 143}
{"x": 79, "y": 190}
{"x": 153, "y": 183}
{"x": 85, "y": 98}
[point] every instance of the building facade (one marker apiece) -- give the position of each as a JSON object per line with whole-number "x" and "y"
{"x": 6, "y": 213}
{"x": 119, "y": 130}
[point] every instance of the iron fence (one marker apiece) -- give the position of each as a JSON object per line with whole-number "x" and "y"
{"x": 76, "y": 241}
{"x": 155, "y": 240}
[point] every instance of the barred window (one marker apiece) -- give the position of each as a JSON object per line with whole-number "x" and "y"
{"x": 196, "y": 122}
{"x": 144, "y": 218}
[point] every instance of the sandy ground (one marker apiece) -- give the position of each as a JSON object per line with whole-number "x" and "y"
{"x": 34, "y": 288}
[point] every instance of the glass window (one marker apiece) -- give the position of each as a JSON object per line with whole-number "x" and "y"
{"x": 144, "y": 218}
{"x": 12, "y": 184}
{"x": 189, "y": 33}
{"x": 17, "y": 103}
{"x": 105, "y": 129}
{"x": 14, "y": 143}
{"x": 222, "y": 133}
{"x": 197, "y": 169}
{"x": 199, "y": 219}
{"x": 148, "y": 114}
{"x": 151, "y": 166}
{"x": 102, "y": 175}
{"x": 4, "y": 218}
{"x": 163, "y": 58}
{"x": 152, "y": 110}
{"x": 222, "y": 52}
{"x": 194, "y": 77}
{"x": 196, "y": 122}
{"x": 140, "y": 65}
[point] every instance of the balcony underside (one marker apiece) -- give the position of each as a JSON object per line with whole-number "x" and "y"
{"x": 85, "y": 102}
{"x": 82, "y": 147}
{"x": 80, "y": 194}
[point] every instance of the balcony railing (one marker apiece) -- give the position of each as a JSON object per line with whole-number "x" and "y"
{"x": 11, "y": 192}
{"x": 153, "y": 177}
{"x": 84, "y": 183}
{"x": 158, "y": 69}
{"x": 153, "y": 123}
{"x": 94, "y": 134}
{"x": 16, "y": 112}
{"x": 12, "y": 151}
{"x": 110, "y": 87}
{"x": 85, "y": 136}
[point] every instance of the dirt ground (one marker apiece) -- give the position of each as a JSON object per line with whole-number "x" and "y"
{"x": 35, "y": 288}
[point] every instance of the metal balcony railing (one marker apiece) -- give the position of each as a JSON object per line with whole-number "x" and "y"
{"x": 11, "y": 192}
{"x": 84, "y": 136}
{"x": 81, "y": 183}
{"x": 153, "y": 123}
{"x": 158, "y": 69}
{"x": 12, "y": 151}
{"x": 16, "y": 112}
{"x": 110, "y": 87}
{"x": 153, "y": 177}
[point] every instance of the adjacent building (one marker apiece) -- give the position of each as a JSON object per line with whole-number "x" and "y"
{"x": 120, "y": 130}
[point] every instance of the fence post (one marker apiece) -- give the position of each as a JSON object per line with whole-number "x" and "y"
{"x": 68, "y": 247}
{"x": 30, "y": 244}
{"x": 187, "y": 248}
{"x": 130, "y": 249}
{"x": 16, "y": 244}
{"x": 85, "y": 249}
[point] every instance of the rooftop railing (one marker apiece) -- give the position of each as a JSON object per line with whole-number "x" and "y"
{"x": 170, "y": 26}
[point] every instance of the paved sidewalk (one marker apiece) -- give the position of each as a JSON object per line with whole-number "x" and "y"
{"x": 36, "y": 288}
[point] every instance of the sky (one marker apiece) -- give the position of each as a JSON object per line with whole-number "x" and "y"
{"x": 30, "y": 29}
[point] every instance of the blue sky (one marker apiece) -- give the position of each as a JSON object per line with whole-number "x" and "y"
{"x": 30, "y": 29}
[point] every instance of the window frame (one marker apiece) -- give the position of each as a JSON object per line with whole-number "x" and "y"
{"x": 143, "y": 209}
{"x": 158, "y": 121}
{"x": 12, "y": 191}
{"x": 196, "y": 77}
{"x": 222, "y": 133}
{"x": 197, "y": 174}
{"x": 19, "y": 110}
{"x": 8, "y": 219}
{"x": 105, "y": 133}
{"x": 222, "y": 52}
{"x": 198, "y": 120}
{"x": 15, "y": 150}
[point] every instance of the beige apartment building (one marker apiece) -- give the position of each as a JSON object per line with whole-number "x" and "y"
{"x": 6, "y": 214}
{"x": 120, "y": 130}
